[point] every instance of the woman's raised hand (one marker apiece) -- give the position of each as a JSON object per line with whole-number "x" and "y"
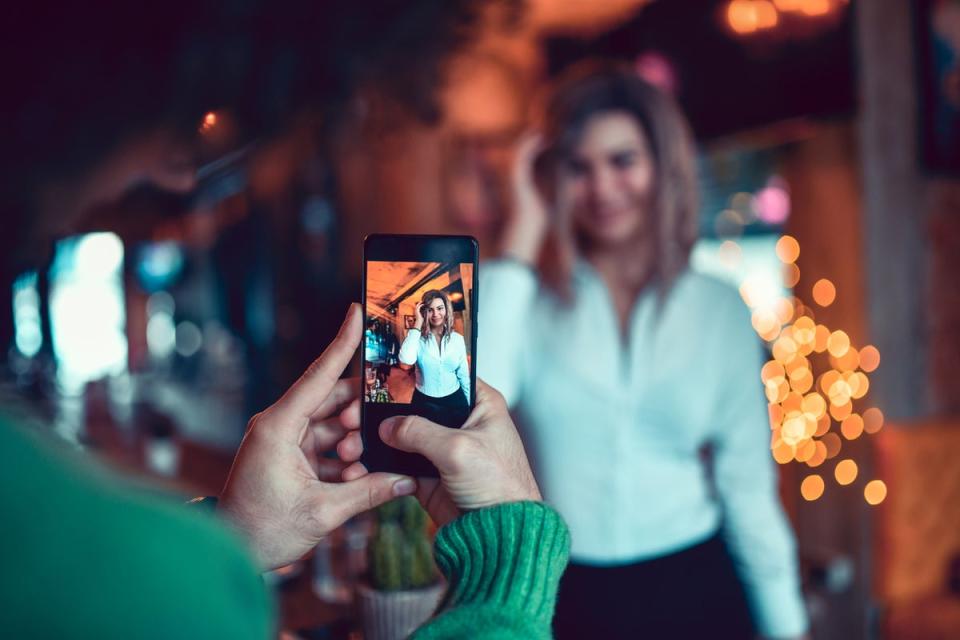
{"x": 418, "y": 312}
{"x": 527, "y": 225}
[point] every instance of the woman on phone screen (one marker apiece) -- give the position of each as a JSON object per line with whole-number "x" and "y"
{"x": 634, "y": 379}
{"x": 440, "y": 356}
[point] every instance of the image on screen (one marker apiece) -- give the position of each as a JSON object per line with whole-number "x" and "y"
{"x": 418, "y": 334}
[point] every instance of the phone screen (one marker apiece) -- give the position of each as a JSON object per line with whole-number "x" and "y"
{"x": 419, "y": 346}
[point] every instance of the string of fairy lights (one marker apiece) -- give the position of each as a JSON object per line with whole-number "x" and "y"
{"x": 816, "y": 383}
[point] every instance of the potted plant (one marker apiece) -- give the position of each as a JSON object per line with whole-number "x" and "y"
{"x": 404, "y": 585}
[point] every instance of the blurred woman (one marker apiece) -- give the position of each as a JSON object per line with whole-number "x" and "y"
{"x": 635, "y": 379}
{"x": 440, "y": 356}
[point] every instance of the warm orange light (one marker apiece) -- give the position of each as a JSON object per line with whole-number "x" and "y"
{"x": 845, "y": 471}
{"x": 776, "y": 415}
{"x": 812, "y": 487}
{"x": 841, "y": 411}
{"x": 815, "y": 7}
{"x": 838, "y": 343}
{"x": 815, "y": 404}
{"x": 792, "y": 403}
{"x": 852, "y": 427}
{"x": 788, "y": 249}
{"x": 783, "y": 453}
{"x": 767, "y": 16}
{"x": 819, "y": 455}
{"x": 789, "y": 5}
{"x": 742, "y": 16}
{"x": 805, "y": 450}
{"x": 821, "y": 336}
{"x": 872, "y": 420}
{"x": 784, "y": 310}
{"x": 777, "y": 390}
{"x": 859, "y": 384}
{"x": 875, "y": 492}
{"x": 827, "y": 380}
{"x": 793, "y": 429}
{"x": 791, "y": 275}
{"x": 823, "y": 424}
{"x": 764, "y": 321}
{"x": 824, "y": 293}
{"x": 869, "y": 358}
{"x": 784, "y": 349}
{"x": 772, "y": 369}
{"x": 839, "y": 393}
{"x": 802, "y": 382}
{"x": 848, "y": 361}
{"x": 832, "y": 442}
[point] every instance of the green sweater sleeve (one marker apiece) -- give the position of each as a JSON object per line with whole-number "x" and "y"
{"x": 503, "y": 565}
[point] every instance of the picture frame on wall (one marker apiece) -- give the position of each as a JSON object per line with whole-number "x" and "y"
{"x": 937, "y": 28}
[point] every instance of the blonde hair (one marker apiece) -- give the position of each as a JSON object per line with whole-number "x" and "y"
{"x": 594, "y": 88}
{"x": 427, "y": 299}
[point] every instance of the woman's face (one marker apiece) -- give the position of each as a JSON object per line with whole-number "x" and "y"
{"x": 608, "y": 179}
{"x": 436, "y": 312}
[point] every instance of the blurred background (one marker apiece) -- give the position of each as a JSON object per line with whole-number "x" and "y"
{"x": 829, "y": 160}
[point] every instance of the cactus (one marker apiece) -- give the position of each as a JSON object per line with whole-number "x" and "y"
{"x": 400, "y": 553}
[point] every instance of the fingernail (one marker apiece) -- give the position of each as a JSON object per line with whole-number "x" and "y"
{"x": 387, "y": 427}
{"x": 404, "y": 487}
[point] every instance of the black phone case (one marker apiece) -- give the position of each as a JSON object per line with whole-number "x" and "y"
{"x": 377, "y": 456}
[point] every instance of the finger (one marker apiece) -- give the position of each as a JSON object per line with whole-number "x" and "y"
{"x": 308, "y": 394}
{"x": 350, "y": 447}
{"x": 321, "y": 437}
{"x": 344, "y": 392}
{"x": 347, "y": 499}
{"x": 354, "y": 471}
{"x": 416, "y": 435}
{"x": 350, "y": 416}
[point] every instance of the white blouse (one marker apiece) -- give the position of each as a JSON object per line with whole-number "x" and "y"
{"x": 615, "y": 430}
{"x": 440, "y": 372}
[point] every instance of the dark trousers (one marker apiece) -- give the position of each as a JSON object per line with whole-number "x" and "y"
{"x": 693, "y": 593}
{"x": 456, "y": 400}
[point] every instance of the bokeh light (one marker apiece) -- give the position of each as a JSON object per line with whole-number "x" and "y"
{"x": 838, "y": 343}
{"x": 824, "y": 292}
{"x": 832, "y": 443}
{"x": 788, "y": 249}
{"x": 846, "y": 471}
{"x": 872, "y": 420}
{"x": 875, "y": 492}
{"x": 852, "y": 427}
{"x": 869, "y": 358}
{"x": 812, "y": 487}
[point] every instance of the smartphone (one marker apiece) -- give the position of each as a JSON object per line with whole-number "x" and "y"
{"x": 418, "y": 355}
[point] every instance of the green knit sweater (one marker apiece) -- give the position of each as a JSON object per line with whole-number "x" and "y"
{"x": 503, "y": 565}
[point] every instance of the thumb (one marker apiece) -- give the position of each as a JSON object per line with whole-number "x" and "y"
{"x": 344, "y": 500}
{"x": 414, "y": 434}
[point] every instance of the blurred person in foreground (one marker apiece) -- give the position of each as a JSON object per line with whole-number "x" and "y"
{"x": 105, "y": 97}
{"x": 635, "y": 380}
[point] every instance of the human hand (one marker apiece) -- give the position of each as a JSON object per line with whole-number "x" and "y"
{"x": 527, "y": 226}
{"x": 277, "y": 494}
{"x": 481, "y": 464}
{"x": 420, "y": 316}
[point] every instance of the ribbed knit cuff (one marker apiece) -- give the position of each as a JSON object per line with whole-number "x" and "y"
{"x": 510, "y": 556}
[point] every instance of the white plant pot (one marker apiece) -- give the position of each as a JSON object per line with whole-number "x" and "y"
{"x": 394, "y": 615}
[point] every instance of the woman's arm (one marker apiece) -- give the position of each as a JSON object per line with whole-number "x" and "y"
{"x": 410, "y": 348}
{"x": 463, "y": 369}
{"x": 755, "y": 527}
